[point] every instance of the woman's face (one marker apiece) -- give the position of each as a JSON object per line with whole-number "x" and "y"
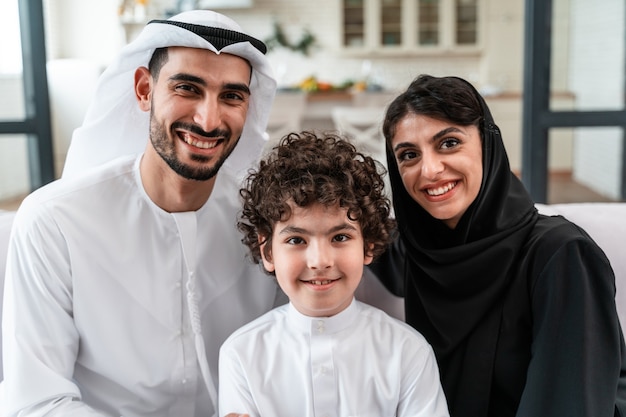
{"x": 440, "y": 164}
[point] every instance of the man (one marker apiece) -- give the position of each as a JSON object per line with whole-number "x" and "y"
{"x": 124, "y": 280}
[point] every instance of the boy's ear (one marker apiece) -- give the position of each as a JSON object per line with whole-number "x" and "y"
{"x": 268, "y": 264}
{"x": 143, "y": 88}
{"x": 369, "y": 257}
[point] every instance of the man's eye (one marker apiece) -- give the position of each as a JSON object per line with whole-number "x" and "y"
{"x": 186, "y": 87}
{"x": 234, "y": 96}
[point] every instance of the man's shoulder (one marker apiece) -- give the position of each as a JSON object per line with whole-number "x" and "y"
{"x": 70, "y": 191}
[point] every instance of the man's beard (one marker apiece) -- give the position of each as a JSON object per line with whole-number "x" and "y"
{"x": 165, "y": 147}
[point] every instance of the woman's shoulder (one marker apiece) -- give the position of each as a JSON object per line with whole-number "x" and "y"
{"x": 555, "y": 242}
{"x": 553, "y": 232}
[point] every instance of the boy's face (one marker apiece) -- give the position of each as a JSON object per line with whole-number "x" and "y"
{"x": 318, "y": 256}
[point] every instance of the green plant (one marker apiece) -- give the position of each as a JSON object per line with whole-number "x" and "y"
{"x": 279, "y": 39}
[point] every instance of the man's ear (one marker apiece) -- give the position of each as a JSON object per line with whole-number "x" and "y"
{"x": 143, "y": 88}
{"x": 268, "y": 263}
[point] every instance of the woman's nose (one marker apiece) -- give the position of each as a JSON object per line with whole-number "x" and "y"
{"x": 432, "y": 165}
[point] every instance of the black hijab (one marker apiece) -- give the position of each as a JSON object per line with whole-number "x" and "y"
{"x": 455, "y": 279}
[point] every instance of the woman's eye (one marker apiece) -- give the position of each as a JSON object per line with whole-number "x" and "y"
{"x": 449, "y": 143}
{"x": 407, "y": 155}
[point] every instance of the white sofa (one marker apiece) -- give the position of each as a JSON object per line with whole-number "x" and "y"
{"x": 6, "y": 220}
{"x": 605, "y": 223}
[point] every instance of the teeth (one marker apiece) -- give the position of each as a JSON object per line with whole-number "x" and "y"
{"x": 200, "y": 144}
{"x": 328, "y": 281}
{"x": 441, "y": 190}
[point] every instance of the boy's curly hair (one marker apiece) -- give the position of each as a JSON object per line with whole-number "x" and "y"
{"x": 307, "y": 169}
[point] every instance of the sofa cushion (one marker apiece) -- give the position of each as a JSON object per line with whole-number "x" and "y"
{"x": 6, "y": 220}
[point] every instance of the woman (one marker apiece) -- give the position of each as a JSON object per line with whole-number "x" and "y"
{"x": 519, "y": 307}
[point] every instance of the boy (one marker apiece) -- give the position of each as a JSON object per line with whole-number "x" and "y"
{"x": 314, "y": 214}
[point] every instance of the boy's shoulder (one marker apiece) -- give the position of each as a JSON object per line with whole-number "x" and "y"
{"x": 260, "y": 325}
{"x": 379, "y": 318}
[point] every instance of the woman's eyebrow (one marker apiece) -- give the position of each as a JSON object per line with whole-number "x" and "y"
{"x": 446, "y": 131}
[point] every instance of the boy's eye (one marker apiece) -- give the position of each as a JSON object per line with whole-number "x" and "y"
{"x": 341, "y": 238}
{"x": 295, "y": 240}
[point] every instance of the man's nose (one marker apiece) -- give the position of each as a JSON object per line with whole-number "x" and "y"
{"x": 208, "y": 114}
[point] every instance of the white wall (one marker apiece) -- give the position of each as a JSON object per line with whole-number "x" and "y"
{"x": 597, "y": 79}
{"x": 92, "y": 31}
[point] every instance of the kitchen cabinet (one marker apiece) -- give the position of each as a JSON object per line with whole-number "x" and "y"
{"x": 410, "y": 26}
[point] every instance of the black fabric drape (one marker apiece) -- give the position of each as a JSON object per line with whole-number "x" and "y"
{"x": 455, "y": 280}
{"x": 508, "y": 299}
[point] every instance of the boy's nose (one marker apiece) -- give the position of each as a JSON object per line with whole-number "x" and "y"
{"x": 319, "y": 256}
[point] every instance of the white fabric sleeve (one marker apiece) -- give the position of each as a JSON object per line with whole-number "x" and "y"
{"x": 422, "y": 394}
{"x": 234, "y": 392}
{"x": 66, "y": 407}
{"x": 40, "y": 340}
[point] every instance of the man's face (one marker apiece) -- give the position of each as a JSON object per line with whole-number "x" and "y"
{"x": 198, "y": 108}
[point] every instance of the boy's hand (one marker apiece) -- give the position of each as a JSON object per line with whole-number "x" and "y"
{"x": 237, "y": 415}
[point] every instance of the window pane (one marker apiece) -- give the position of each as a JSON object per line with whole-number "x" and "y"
{"x": 12, "y": 93}
{"x": 353, "y": 23}
{"x": 466, "y": 22}
{"x": 391, "y": 22}
{"x": 10, "y": 44}
{"x": 428, "y": 22}
{"x": 14, "y": 176}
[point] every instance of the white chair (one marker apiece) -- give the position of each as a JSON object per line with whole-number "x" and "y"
{"x": 363, "y": 125}
{"x": 285, "y": 116}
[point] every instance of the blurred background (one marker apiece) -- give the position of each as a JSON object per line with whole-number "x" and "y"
{"x": 329, "y": 56}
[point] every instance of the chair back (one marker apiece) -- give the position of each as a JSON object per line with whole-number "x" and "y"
{"x": 363, "y": 126}
{"x": 285, "y": 116}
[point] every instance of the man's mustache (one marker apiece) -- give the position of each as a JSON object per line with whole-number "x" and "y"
{"x": 197, "y": 130}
